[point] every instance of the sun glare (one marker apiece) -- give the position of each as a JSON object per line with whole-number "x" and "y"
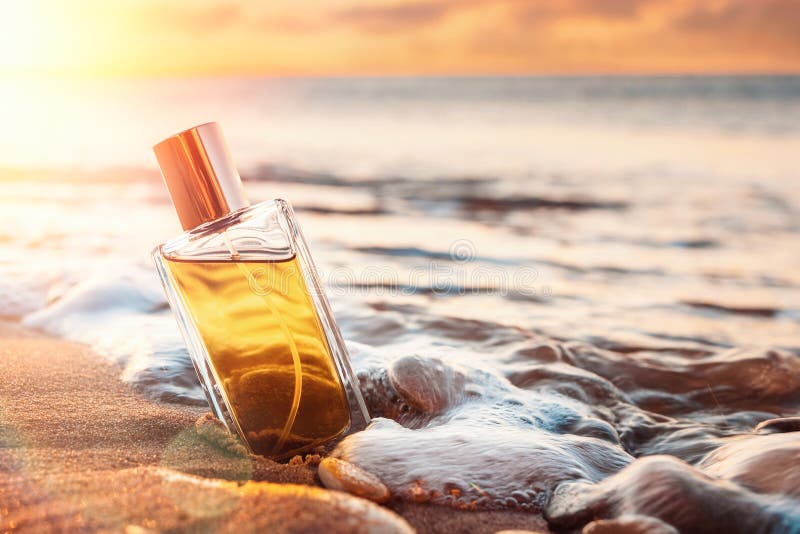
{"x": 25, "y": 39}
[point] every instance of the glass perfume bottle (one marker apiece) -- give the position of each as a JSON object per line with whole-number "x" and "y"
{"x": 249, "y": 303}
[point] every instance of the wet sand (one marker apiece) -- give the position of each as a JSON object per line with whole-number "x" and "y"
{"x": 79, "y": 449}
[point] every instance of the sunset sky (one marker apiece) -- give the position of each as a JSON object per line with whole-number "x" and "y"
{"x": 340, "y": 37}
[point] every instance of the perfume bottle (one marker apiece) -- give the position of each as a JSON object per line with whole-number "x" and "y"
{"x": 249, "y": 303}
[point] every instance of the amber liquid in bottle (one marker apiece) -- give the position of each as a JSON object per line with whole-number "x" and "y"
{"x": 267, "y": 349}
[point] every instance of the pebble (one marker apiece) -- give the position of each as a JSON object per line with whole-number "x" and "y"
{"x": 428, "y": 385}
{"x": 341, "y": 475}
{"x": 629, "y": 524}
{"x": 780, "y": 424}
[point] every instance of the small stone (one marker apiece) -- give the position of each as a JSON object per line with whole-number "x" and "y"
{"x": 777, "y": 425}
{"x": 629, "y": 524}
{"x": 313, "y": 459}
{"x": 428, "y": 385}
{"x": 418, "y": 494}
{"x": 341, "y": 475}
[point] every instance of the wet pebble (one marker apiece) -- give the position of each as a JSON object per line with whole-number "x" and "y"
{"x": 341, "y": 475}
{"x": 629, "y": 524}
{"x": 782, "y": 424}
{"x": 427, "y": 384}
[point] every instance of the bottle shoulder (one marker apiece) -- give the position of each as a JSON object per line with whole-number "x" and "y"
{"x": 262, "y": 231}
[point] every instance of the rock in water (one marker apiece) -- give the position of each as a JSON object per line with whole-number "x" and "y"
{"x": 777, "y": 425}
{"x": 629, "y": 524}
{"x": 427, "y": 384}
{"x": 674, "y": 493}
{"x": 341, "y": 475}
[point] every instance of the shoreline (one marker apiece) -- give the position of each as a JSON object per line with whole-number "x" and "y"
{"x": 80, "y": 449}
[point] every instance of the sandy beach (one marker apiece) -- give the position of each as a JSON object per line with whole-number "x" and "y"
{"x": 81, "y": 451}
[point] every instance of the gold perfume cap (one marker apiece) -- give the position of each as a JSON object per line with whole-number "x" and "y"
{"x": 199, "y": 172}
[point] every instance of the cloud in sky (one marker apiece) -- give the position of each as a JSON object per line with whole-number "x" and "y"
{"x": 207, "y": 37}
{"x": 742, "y": 19}
{"x": 391, "y": 17}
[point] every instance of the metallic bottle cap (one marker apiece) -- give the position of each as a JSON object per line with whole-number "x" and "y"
{"x": 200, "y": 175}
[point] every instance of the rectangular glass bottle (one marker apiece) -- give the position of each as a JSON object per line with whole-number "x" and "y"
{"x": 251, "y": 308}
